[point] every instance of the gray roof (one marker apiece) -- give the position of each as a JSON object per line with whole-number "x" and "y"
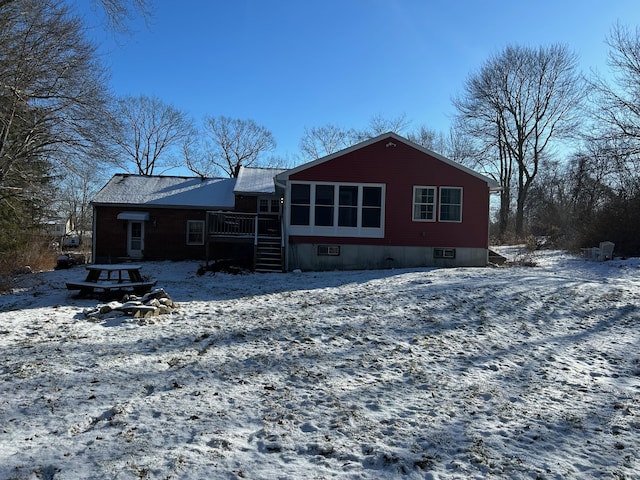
{"x": 256, "y": 180}
{"x": 148, "y": 190}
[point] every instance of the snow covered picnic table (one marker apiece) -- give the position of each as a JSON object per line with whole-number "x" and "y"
{"x": 112, "y": 277}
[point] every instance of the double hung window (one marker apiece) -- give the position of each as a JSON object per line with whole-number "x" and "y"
{"x": 424, "y": 204}
{"x": 195, "y": 232}
{"x": 268, "y": 205}
{"x": 449, "y": 204}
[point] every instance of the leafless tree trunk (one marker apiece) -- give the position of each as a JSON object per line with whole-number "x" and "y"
{"x": 519, "y": 103}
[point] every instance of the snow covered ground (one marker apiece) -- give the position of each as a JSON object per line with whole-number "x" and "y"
{"x": 520, "y": 372}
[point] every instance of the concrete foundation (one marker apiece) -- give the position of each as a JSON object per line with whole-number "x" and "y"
{"x": 317, "y": 257}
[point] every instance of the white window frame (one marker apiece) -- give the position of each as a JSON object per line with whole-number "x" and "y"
{"x": 271, "y": 203}
{"x": 440, "y": 204}
{"x": 189, "y": 232}
{"x": 414, "y": 203}
{"x": 335, "y": 230}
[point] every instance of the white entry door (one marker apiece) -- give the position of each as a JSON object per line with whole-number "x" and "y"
{"x": 135, "y": 239}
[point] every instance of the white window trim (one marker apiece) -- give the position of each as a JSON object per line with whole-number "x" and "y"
{"x": 440, "y": 203}
{"x": 269, "y": 199}
{"x": 435, "y": 204}
{"x": 204, "y": 233}
{"x": 335, "y": 230}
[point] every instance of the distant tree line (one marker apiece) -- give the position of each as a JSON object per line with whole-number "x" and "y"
{"x": 564, "y": 147}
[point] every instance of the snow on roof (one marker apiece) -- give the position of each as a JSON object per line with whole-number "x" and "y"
{"x": 126, "y": 189}
{"x": 256, "y": 180}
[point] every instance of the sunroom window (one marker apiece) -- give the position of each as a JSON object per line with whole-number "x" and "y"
{"x": 348, "y": 206}
{"x": 324, "y": 205}
{"x": 300, "y": 203}
{"x": 371, "y": 207}
{"x": 332, "y": 209}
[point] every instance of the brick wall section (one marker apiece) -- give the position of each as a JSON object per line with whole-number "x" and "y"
{"x": 165, "y": 234}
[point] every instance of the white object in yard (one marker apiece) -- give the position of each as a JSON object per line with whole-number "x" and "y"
{"x": 600, "y": 253}
{"x": 605, "y": 251}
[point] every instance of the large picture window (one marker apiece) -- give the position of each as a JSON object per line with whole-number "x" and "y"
{"x": 332, "y": 209}
{"x": 424, "y": 204}
{"x": 450, "y": 204}
{"x": 195, "y": 232}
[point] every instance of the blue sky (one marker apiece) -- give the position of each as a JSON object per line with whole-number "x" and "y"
{"x": 292, "y": 64}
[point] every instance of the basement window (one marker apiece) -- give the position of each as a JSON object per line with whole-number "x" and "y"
{"x": 328, "y": 250}
{"x": 444, "y": 253}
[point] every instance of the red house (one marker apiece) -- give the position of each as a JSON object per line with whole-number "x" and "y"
{"x": 385, "y": 202}
{"x": 382, "y": 203}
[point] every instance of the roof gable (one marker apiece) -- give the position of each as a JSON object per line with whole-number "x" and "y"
{"x": 197, "y": 192}
{"x": 391, "y": 137}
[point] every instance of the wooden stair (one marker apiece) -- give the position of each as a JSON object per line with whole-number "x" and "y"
{"x": 268, "y": 257}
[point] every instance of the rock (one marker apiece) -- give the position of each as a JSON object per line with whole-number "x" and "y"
{"x": 157, "y": 302}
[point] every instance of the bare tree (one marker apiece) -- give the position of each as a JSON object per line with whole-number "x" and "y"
{"x": 119, "y": 12}
{"x": 617, "y": 102}
{"x": 379, "y": 125}
{"x": 53, "y": 102}
{"x": 435, "y": 141}
{"x": 149, "y": 129}
{"x": 519, "y": 103}
{"x": 318, "y": 142}
{"x": 74, "y": 192}
{"x": 232, "y": 144}
{"x": 321, "y": 141}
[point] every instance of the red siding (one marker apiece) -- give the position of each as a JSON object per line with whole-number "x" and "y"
{"x": 165, "y": 234}
{"x": 401, "y": 167}
{"x": 246, "y": 203}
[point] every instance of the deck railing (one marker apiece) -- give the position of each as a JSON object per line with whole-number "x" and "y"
{"x": 233, "y": 224}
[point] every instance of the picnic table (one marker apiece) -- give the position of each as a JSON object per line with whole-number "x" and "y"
{"x": 119, "y": 277}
